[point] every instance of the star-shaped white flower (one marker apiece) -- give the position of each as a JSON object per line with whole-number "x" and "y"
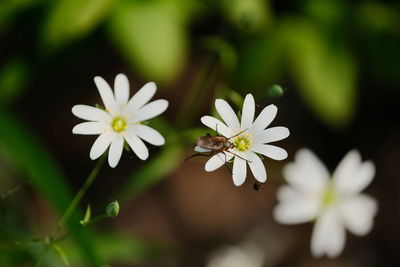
{"x": 335, "y": 204}
{"x": 249, "y": 138}
{"x": 121, "y": 119}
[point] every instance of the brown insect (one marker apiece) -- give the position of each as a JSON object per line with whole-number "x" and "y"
{"x": 209, "y": 145}
{"x": 213, "y": 145}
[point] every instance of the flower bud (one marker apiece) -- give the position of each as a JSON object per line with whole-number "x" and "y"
{"x": 112, "y": 209}
{"x": 275, "y": 91}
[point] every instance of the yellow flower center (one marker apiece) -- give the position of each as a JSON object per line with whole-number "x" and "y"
{"x": 243, "y": 142}
{"x": 119, "y": 124}
{"x": 330, "y": 196}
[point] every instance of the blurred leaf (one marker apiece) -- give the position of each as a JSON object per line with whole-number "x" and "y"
{"x": 260, "y": 63}
{"x": 235, "y": 98}
{"x": 375, "y": 16}
{"x": 123, "y": 248}
{"x": 225, "y": 51}
{"x": 34, "y": 160}
{"x": 71, "y": 19}
{"x": 157, "y": 167}
{"x": 247, "y": 14}
{"x": 379, "y": 30}
{"x": 61, "y": 253}
{"x": 326, "y": 12}
{"x": 152, "y": 35}
{"x": 189, "y": 136}
{"x": 14, "y": 75}
{"x": 10, "y": 8}
{"x": 325, "y": 76}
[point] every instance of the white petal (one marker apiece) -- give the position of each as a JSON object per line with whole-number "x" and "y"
{"x": 201, "y": 150}
{"x": 328, "y": 235}
{"x": 216, "y": 125}
{"x": 266, "y": 116}
{"x": 90, "y": 113}
{"x": 248, "y": 112}
{"x": 287, "y": 193}
{"x": 101, "y": 144}
{"x": 148, "y": 134}
{"x": 227, "y": 114}
{"x": 137, "y": 145}
{"x": 257, "y": 167}
{"x": 121, "y": 89}
{"x": 307, "y": 174}
{"x": 142, "y": 96}
{"x": 352, "y": 176}
{"x": 295, "y": 208}
{"x": 150, "y": 110}
{"x": 117, "y": 145}
{"x": 239, "y": 171}
{"x": 91, "y": 127}
{"x": 217, "y": 161}
{"x": 358, "y": 213}
{"x": 271, "y": 135}
{"x": 271, "y": 151}
{"x": 105, "y": 92}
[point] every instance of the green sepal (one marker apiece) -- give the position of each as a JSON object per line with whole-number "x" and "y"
{"x": 87, "y": 216}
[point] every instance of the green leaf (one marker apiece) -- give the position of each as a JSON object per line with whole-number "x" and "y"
{"x": 61, "y": 253}
{"x": 14, "y": 75}
{"x": 72, "y": 19}
{"x": 152, "y": 36}
{"x": 247, "y": 14}
{"x": 225, "y": 51}
{"x": 325, "y": 75}
{"x": 33, "y": 160}
{"x": 117, "y": 249}
{"x": 9, "y": 10}
{"x": 260, "y": 63}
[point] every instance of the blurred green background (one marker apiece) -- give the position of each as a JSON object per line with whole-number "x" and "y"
{"x": 338, "y": 62}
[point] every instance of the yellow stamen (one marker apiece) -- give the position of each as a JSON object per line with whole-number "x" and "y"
{"x": 243, "y": 142}
{"x": 119, "y": 124}
{"x": 330, "y": 196}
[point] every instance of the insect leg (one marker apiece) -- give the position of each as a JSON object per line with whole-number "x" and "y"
{"x": 199, "y": 154}
{"x": 238, "y": 156}
{"x": 226, "y": 165}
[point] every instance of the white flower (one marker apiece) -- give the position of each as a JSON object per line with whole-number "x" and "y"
{"x": 236, "y": 256}
{"x": 121, "y": 119}
{"x": 249, "y": 137}
{"x": 251, "y": 252}
{"x": 335, "y": 204}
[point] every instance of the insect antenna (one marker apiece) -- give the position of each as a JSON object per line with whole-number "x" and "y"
{"x": 238, "y": 134}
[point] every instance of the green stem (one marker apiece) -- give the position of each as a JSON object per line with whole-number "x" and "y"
{"x": 75, "y": 201}
{"x": 71, "y": 208}
{"x": 98, "y": 218}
